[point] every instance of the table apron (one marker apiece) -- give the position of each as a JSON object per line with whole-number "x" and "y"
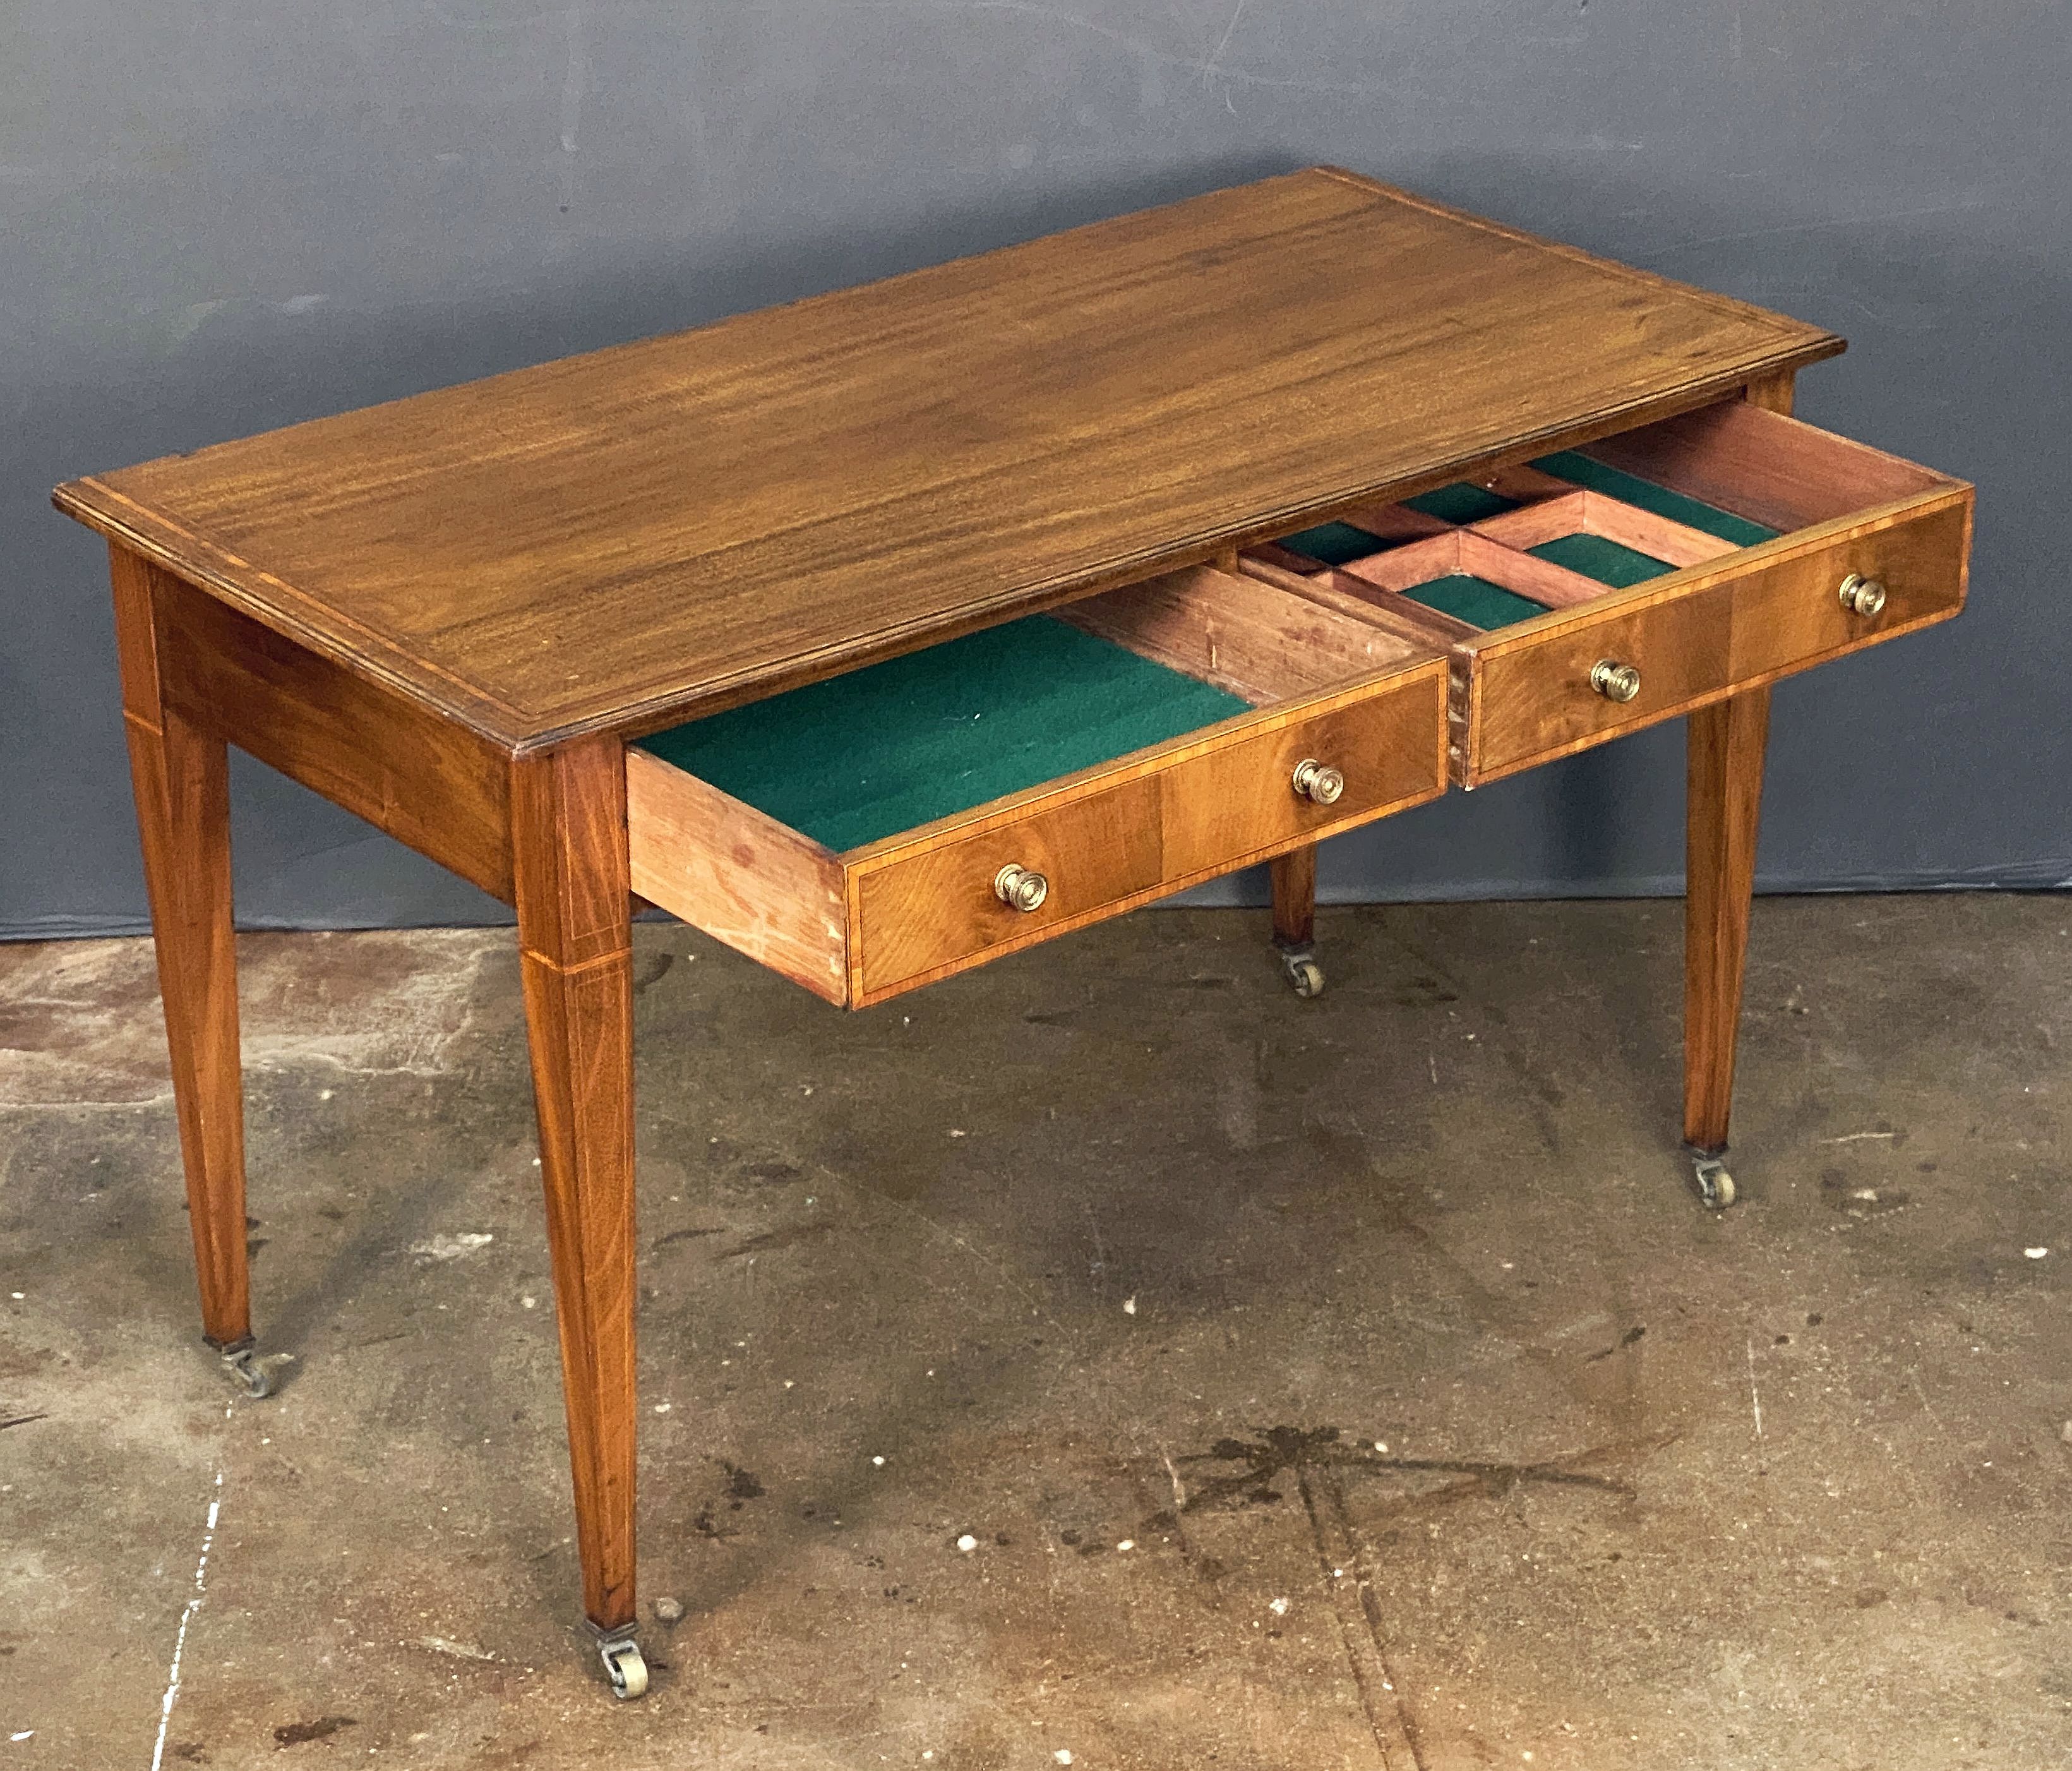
{"x": 432, "y": 784}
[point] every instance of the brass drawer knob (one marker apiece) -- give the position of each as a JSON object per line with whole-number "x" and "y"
{"x": 1615, "y": 682}
{"x": 1319, "y": 781}
{"x": 1019, "y": 888}
{"x": 1862, "y": 595}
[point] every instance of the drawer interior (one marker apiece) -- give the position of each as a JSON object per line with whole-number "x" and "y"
{"x": 1569, "y": 529}
{"x": 862, "y": 757}
{"x": 873, "y": 831}
{"x": 1472, "y": 558}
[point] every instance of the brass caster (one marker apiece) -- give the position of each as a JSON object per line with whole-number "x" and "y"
{"x": 624, "y": 1666}
{"x": 1303, "y": 972}
{"x": 241, "y": 1366}
{"x": 1715, "y": 1185}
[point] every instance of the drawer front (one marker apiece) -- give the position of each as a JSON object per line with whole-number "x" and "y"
{"x": 936, "y": 908}
{"x": 1535, "y": 700}
{"x": 1790, "y": 615}
{"x": 1532, "y": 700}
{"x": 1210, "y": 807}
{"x": 1234, "y": 805}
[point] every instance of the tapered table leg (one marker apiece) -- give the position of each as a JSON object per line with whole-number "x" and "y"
{"x": 181, "y": 776}
{"x": 1726, "y": 745}
{"x": 1294, "y": 877}
{"x": 568, "y": 814}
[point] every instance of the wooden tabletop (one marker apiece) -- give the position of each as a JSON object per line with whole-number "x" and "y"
{"x": 619, "y": 539}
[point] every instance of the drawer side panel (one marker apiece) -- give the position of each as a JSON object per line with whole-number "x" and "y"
{"x": 744, "y": 878}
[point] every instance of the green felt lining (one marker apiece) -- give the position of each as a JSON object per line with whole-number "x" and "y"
{"x": 1580, "y": 470}
{"x": 1474, "y": 600}
{"x": 893, "y": 745}
{"x": 1607, "y": 561}
{"x": 1333, "y": 544}
{"x": 1461, "y": 503}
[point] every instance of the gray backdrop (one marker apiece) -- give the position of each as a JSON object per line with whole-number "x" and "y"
{"x": 215, "y": 218}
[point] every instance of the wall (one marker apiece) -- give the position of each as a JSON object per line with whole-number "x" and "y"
{"x": 215, "y": 218}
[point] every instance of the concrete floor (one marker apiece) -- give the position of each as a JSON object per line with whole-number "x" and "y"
{"x": 1346, "y": 1383}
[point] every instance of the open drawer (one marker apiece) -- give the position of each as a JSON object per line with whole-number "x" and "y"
{"x": 876, "y": 831}
{"x": 1596, "y": 591}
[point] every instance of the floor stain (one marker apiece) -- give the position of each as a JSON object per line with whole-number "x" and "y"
{"x": 790, "y": 1236}
{"x": 300, "y": 1733}
{"x": 1628, "y": 1339}
{"x": 653, "y": 968}
{"x": 686, "y": 1235}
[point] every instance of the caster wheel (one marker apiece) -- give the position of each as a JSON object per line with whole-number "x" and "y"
{"x": 626, "y": 1668}
{"x": 1715, "y": 1185}
{"x": 1304, "y": 974}
{"x": 244, "y": 1370}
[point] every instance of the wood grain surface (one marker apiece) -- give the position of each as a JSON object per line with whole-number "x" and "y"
{"x": 1293, "y": 881}
{"x": 180, "y": 774}
{"x": 609, "y": 541}
{"x": 1726, "y": 744}
{"x": 938, "y": 905}
{"x": 1536, "y": 699}
{"x": 1733, "y": 622}
{"x": 1108, "y": 840}
{"x": 1594, "y": 514}
{"x": 737, "y": 873}
{"x": 568, "y": 811}
{"x": 428, "y": 780}
{"x": 1242, "y": 635}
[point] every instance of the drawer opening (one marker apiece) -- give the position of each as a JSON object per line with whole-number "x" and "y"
{"x": 1477, "y": 556}
{"x": 860, "y": 758}
{"x": 857, "y": 758}
{"x": 874, "y": 830}
{"x": 1594, "y": 591}
{"x": 1482, "y": 555}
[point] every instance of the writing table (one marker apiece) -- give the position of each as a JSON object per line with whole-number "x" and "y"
{"x": 889, "y": 631}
